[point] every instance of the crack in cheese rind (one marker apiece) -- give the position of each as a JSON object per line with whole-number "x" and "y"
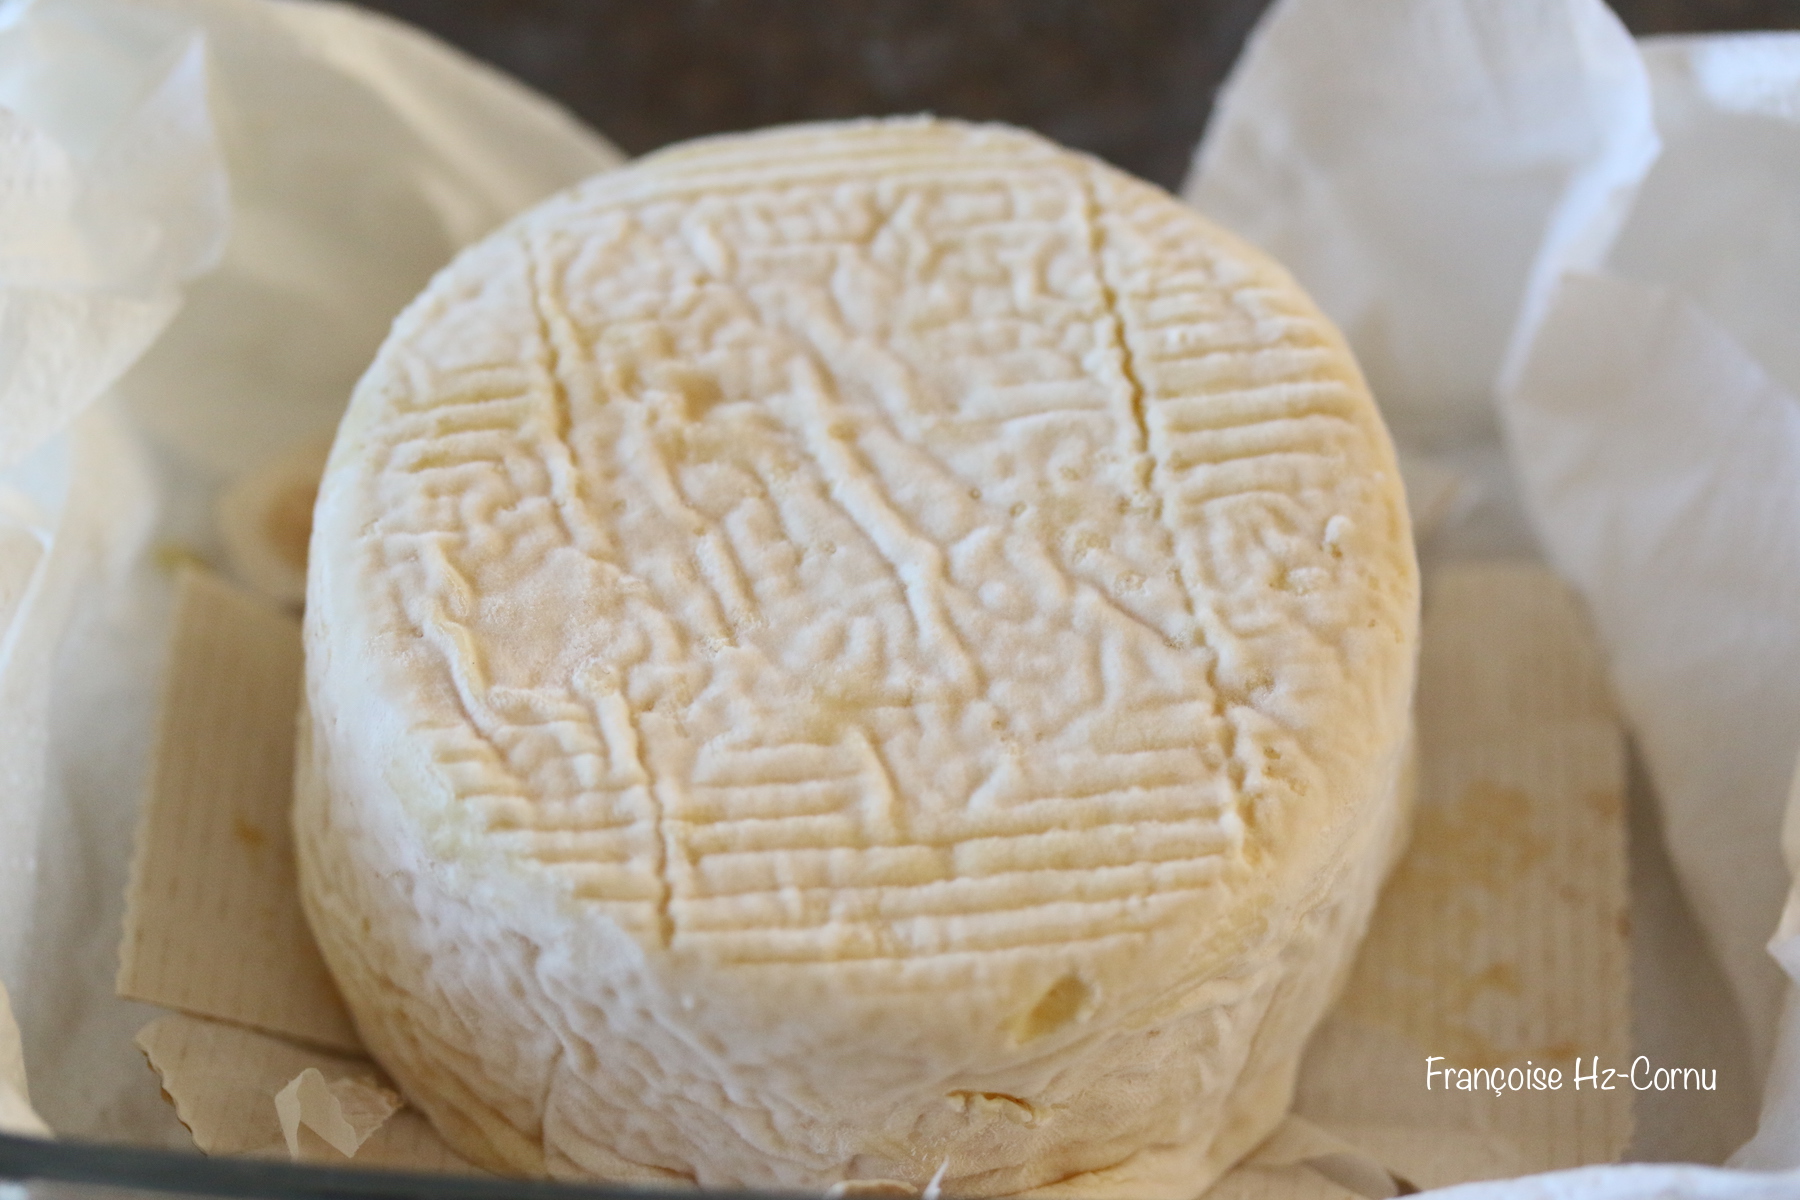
{"x": 819, "y": 623}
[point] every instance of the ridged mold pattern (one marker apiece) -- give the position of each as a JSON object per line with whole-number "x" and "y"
{"x": 849, "y": 647}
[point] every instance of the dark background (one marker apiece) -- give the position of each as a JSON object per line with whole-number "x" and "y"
{"x": 1130, "y": 80}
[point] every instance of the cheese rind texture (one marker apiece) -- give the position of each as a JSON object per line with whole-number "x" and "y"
{"x": 851, "y": 648}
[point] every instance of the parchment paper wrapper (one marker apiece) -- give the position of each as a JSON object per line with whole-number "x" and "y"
{"x": 1430, "y": 169}
{"x": 16, "y": 1115}
{"x": 266, "y": 184}
{"x": 1514, "y": 202}
{"x": 1657, "y": 419}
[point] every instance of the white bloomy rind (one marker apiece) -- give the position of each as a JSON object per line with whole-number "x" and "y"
{"x": 844, "y": 648}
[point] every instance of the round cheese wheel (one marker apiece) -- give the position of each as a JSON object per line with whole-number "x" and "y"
{"x": 860, "y": 652}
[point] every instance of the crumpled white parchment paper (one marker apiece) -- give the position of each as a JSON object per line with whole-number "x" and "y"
{"x": 345, "y": 1113}
{"x": 251, "y": 190}
{"x": 16, "y": 1114}
{"x": 1528, "y": 223}
{"x": 1657, "y": 421}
